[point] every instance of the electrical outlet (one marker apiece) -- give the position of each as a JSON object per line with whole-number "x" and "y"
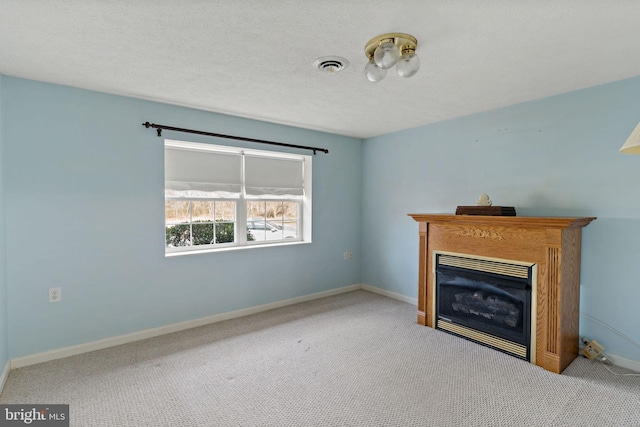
{"x": 55, "y": 294}
{"x": 592, "y": 349}
{"x": 347, "y": 255}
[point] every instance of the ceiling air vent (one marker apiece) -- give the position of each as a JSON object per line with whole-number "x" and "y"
{"x": 331, "y": 64}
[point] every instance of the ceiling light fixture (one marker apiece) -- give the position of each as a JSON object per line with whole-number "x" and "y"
{"x": 391, "y": 49}
{"x": 632, "y": 146}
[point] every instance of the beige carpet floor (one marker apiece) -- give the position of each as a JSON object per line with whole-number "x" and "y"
{"x": 357, "y": 359}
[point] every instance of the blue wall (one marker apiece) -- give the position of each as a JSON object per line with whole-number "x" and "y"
{"x": 4, "y": 353}
{"x": 82, "y": 187}
{"x": 84, "y": 194}
{"x": 553, "y": 157}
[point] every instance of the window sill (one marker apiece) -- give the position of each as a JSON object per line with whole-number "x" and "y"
{"x": 233, "y": 248}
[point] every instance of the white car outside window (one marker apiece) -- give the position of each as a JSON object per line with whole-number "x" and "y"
{"x": 262, "y": 230}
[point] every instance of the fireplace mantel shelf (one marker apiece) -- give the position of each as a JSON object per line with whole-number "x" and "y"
{"x": 511, "y": 221}
{"x": 551, "y": 243}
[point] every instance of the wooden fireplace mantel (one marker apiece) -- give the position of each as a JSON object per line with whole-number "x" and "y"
{"x": 552, "y": 243}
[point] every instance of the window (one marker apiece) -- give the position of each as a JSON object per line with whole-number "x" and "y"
{"x": 197, "y": 222}
{"x": 223, "y": 197}
{"x": 273, "y": 220}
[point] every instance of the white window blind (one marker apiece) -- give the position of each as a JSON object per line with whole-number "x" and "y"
{"x": 193, "y": 173}
{"x": 270, "y": 176}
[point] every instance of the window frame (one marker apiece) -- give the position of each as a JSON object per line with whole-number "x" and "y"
{"x": 304, "y": 202}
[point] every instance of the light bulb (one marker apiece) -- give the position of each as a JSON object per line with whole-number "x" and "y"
{"x": 386, "y": 55}
{"x": 408, "y": 64}
{"x": 373, "y": 72}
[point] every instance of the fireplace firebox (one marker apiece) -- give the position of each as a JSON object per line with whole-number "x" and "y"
{"x": 485, "y": 301}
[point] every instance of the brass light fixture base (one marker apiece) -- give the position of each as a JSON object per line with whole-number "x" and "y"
{"x": 405, "y": 42}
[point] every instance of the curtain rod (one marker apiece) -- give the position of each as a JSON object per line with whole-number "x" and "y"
{"x": 239, "y": 138}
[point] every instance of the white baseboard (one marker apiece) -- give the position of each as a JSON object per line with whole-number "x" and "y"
{"x": 4, "y": 375}
{"x": 389, "y": 294}
{"x": 47, "y": 356}
{"x": 634, "y": 365}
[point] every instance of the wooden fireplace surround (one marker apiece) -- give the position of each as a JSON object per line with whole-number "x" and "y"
{"x": 552, "y": 243}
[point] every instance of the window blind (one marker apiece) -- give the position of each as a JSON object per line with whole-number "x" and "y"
{"x": 202, "y": 173}
{"x": 270, "y": 176}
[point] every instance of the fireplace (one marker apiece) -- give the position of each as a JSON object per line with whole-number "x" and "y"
{"x": 485, "y": 301}
{"x": 550, "y": 246}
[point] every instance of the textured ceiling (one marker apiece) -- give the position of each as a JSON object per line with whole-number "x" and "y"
{"x": 254, "y": 58}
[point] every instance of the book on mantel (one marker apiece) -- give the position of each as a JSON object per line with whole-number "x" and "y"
{"x": 486, "y": 210}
